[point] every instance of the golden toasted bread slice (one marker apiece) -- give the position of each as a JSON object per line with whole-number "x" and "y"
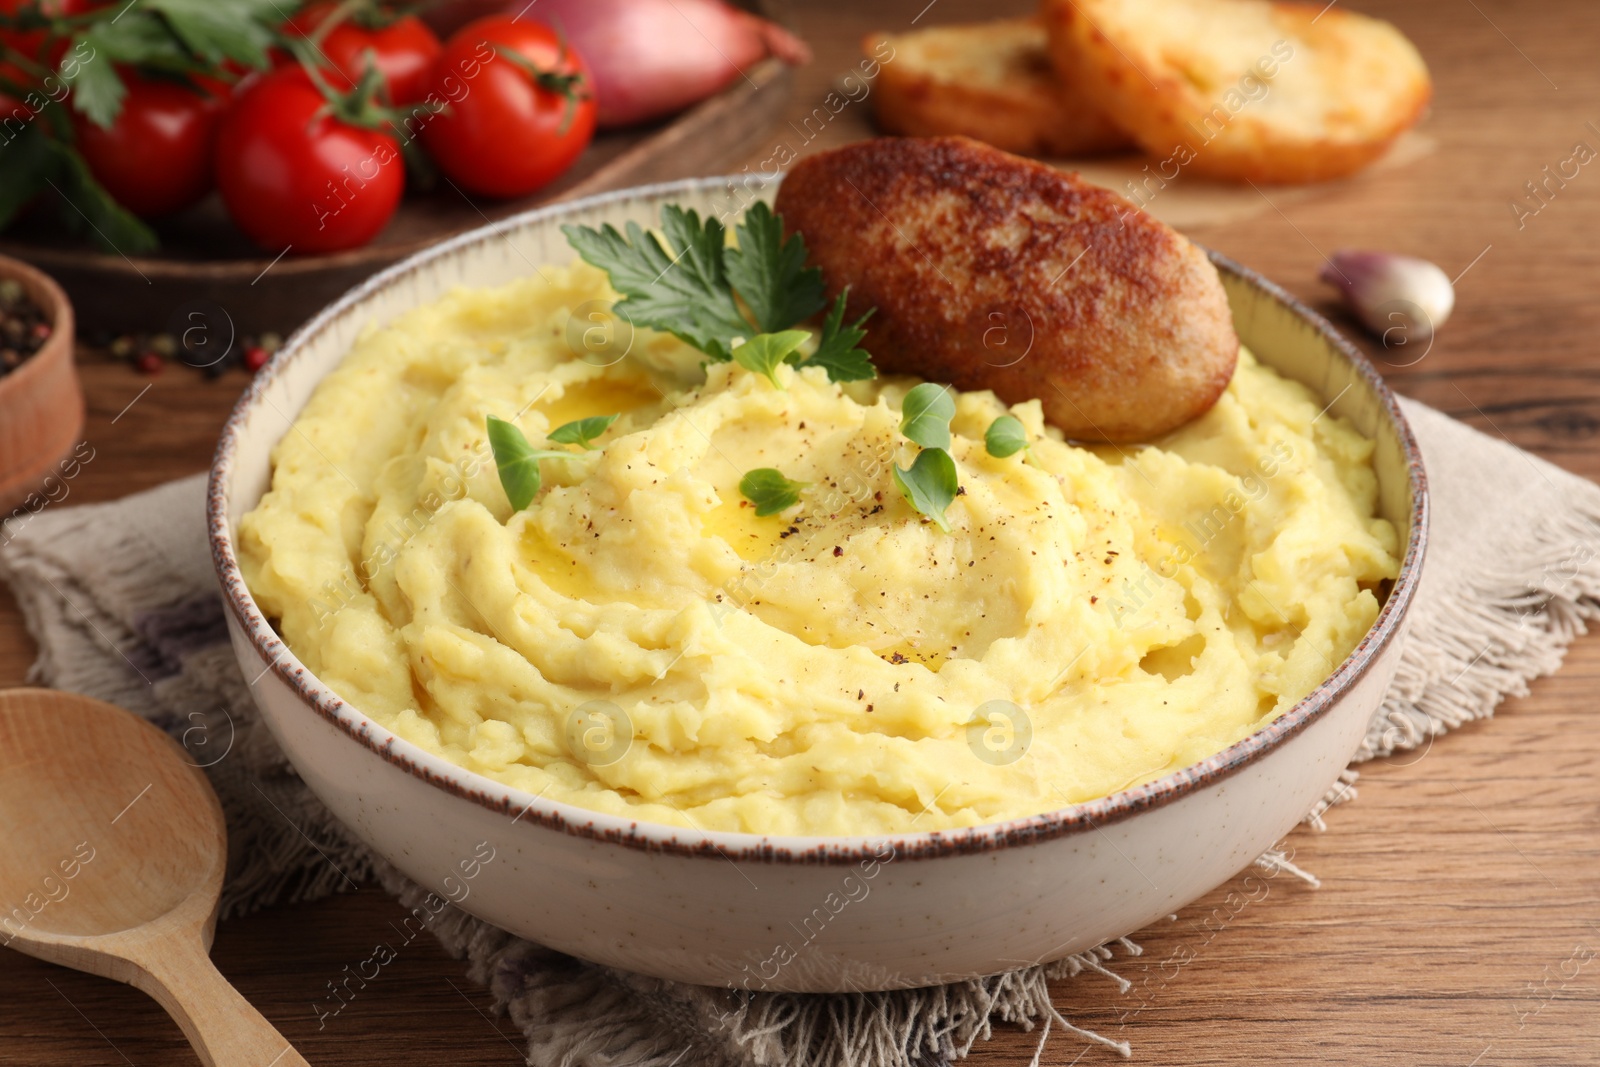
{"x": 1243, "y": 89}
{"x": 991, "y": 80}
{"x": 990, "y": 271}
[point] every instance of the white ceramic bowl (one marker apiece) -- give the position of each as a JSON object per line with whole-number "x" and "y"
{"x": 799, "y": 913}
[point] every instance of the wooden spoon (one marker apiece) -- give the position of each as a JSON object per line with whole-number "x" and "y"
{"x": 111, "y": 862}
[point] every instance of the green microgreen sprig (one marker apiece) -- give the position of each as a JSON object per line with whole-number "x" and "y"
{"x": 770, "y": 491}
{"x": 931, "y": 482}
{"x": 1006, "y": 436}
{"x": 582, "y": 432}
{"x": 925, "y": 415}
{"x": 518, "y": 461}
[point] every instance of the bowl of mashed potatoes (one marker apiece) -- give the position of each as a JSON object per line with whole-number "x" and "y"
{"x": 821, "y": 742}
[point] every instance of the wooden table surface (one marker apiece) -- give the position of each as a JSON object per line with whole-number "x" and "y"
{"x": 1458, "y": 922}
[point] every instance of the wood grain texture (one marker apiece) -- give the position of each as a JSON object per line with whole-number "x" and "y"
{"x": 1458, "y": 921}
{"x": 115, "y": 852}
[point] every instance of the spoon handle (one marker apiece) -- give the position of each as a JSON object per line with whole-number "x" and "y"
{"x": 221, "y": 1025}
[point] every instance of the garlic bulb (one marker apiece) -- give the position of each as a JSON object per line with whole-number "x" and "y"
{"x": 1399, "y": 298}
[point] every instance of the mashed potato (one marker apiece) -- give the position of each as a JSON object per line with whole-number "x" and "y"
{"x": 639, "y": 642}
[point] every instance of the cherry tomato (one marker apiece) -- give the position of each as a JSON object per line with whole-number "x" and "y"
{"x": 293, "y": 174}
{"x": 519, "y": 107}
{"x": 404, "y": 50}
{"x": 156, "y": 157}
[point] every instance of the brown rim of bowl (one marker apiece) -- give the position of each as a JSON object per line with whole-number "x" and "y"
{"x": 828, "y": 850}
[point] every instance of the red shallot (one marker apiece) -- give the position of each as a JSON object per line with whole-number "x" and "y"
{"x": 650, "y": 58}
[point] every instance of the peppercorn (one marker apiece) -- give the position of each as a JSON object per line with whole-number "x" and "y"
{"x": 23, "y": 326}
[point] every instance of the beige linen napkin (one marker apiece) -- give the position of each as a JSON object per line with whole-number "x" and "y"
{"x": 123, "y": 603}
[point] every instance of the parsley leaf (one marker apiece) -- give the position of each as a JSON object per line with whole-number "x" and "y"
{"x": 771, "y": 274}
{"x": 582, "y": 431}
{"x": 168, "y": 36}
{"x": 765, "y": 351}
{"x": 1005, "y": 437}
{"x": 518, "y": 462}
{"x": 925, "y": 415}
{"x": 686, "y": 282}
{"x": 215, "y": 31}
{"x": 770, "y": 491}
{"x": 929, "y": 484}
{"x": 677, "y": 287}
{"x": 838, "y": 351}
{"x": 698, "y": 247}
{"x": 97, "y": 88}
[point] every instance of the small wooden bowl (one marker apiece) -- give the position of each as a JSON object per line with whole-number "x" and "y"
{"x": 41, "y": 405}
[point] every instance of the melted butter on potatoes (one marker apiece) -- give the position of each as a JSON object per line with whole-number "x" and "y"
{"x": 815, "y": 671}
